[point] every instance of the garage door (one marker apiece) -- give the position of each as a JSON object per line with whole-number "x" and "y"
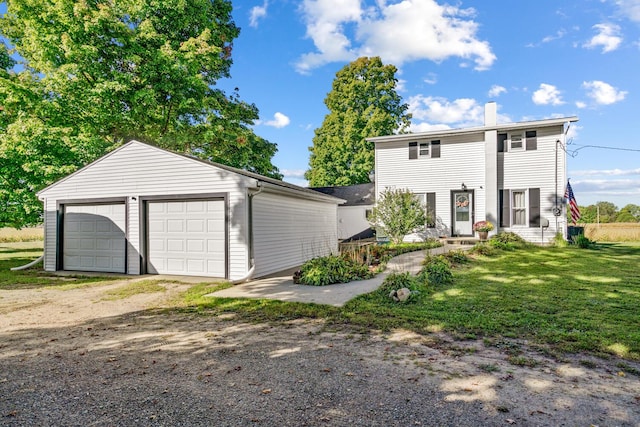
{"x": 94, "y": 238}
{"x": 186, "y": 237}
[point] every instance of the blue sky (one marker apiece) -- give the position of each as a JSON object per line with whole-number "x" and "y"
{"x": 538, "y": 60}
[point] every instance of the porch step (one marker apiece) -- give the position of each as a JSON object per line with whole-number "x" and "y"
{"x": 460, "y": 240}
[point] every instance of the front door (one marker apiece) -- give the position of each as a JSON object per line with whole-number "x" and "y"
{"x": 462, "y": 224}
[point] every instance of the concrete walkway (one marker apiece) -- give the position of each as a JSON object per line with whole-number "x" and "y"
{"x": 281, "y": 286}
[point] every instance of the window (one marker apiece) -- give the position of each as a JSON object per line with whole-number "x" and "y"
{"x": 429, "y": 202}
{"x": 368, "y": 213}
{"x": 519, "y": 208}
{"x": 516, "y": 141}
{"x": 424, "y": 149}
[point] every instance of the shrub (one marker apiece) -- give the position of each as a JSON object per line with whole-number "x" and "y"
{"x": 398, "y": 213}
{"x": 331, "y": 269}
{"x": 483, "y": 248}
{"x": 559, "y": 241}
{"x": 437, "y": 270}
{"x": 508, "y": 237}
{"x": 395, "y": 281}
{"x": 457, "y": 256}
{"x": 583, "y": 242}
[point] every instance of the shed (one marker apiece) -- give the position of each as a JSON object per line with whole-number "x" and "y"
{"x": 144, "y": 210}
{"x": 353, "y": 215}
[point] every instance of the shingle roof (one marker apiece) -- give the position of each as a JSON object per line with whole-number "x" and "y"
{"x": 355, "y": 195}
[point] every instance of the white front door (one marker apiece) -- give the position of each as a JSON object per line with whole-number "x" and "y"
{"x": 462, "y": 213}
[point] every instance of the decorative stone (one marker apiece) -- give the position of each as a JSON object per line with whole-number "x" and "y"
{"x": 403, "y": 294}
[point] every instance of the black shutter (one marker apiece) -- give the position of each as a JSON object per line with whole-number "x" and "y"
{"x": 532, "y": 140}
{"x": 502, "y": 142}
{"x": 435, "y": 149}
{"x": 413, "y": 150}
{"x": 534, "y": 207}
{"x": 431, "y": 210}
{"x": 505, "y": 209}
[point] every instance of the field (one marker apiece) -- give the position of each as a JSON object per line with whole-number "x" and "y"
{"x": 613, "y": 232}
{"x": 8, "y": 235}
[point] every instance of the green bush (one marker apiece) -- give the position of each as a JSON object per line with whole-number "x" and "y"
{"x": 583, "y": 242}
{"x": 436, "y": 270}
{"x": 395, "y": 281}
{"x": 457, "y": 256}
{"x": 483, "y": 248}
{"x": 508, "y": 237}
{"x": 559, "y": 241}
{"x": 329, "y": 270}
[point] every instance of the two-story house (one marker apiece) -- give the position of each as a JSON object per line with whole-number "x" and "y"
{"x": 512, "y": 174}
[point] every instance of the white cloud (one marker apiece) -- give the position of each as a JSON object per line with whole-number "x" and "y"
{"x": 439, "y": 113}
{"x": 431, "y": 79}
{"x": 279, "y": 121}
{"x": 606, "y": 172}
{"x": 558, "y": 35}
{"x": 608, "y": 37}
{"x": 410, "y": 30}
{"x": 496, "y": 91}
{"x": 630, "y": 8}
{"x": 293, "y": 173}
{"x": 581, "y": 104}
{"x": 257, "y": 12}
{"x": 547, "y": 95}
{"x": 603, "y": 93}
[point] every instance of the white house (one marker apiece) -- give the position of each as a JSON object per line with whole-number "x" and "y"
{"x": 512, "y": 174}
{"x": 353, "y": 215}
{"x": 141, "y": 209}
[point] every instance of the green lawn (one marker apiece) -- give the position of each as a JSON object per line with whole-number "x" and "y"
{"x": 559, "y": 299}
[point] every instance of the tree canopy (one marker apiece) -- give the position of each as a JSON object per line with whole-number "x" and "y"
{"x": 606, "y": 212}
{"x": 95, "y": 74}
{"x": 363, "y": 103}
{"x": 399, "y": 212}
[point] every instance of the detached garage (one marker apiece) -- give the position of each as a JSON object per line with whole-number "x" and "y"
{"x": 144, "y": 210}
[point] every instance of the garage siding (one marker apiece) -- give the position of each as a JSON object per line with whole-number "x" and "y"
{"x": 289, "y": 231}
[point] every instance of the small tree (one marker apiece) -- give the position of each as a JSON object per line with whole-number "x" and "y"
{"x": 398, "y": 213}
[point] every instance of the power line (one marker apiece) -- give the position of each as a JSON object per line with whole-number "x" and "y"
{"x": 574, "y": 153}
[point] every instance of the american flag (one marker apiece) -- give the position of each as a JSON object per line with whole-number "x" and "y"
{"x": 573, "y": 205}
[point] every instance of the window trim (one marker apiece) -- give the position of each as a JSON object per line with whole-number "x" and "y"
{"x": 522, "y": 142}
{"x": 513, "y": 207}
{"x": 424, "y": 198}
{"x": 424, "y": 146}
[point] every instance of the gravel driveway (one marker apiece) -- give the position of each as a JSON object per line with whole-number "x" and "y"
{"x": 69, "y": 358}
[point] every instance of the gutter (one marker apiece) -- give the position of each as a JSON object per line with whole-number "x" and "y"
{"x": 252, "y": 261}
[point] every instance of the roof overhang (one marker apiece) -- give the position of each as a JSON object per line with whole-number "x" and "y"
{"x": 479, "y": 129}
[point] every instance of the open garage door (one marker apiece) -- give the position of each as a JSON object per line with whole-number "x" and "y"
{"x": 186, "y": 237}
{"x": 94, "y": 238}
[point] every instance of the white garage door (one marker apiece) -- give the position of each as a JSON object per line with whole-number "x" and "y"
{"x": 94, "y": 238}
{"x": 186, "y": 237}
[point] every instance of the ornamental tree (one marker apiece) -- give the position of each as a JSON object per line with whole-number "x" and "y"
{"x": 363, "y": 103}
{"x": 398, "y": 213}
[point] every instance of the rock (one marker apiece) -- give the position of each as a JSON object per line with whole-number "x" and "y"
{"x": 403, "y": 294}
{"x": 394, "y": 295}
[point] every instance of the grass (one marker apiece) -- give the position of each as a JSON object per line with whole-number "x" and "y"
{"x": 558, "y": 299}
{"x": 21, "y": 253}
{"x": 11, "y": 235}
{"x": 613, "y": 232}
{"x": 134, "y": 288}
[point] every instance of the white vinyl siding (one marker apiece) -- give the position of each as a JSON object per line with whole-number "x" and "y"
{"x": 462, "y": 160}
{"x": 352, "y": 220}
{"x": 288, "y": 231}
{"x": 140, "y": 170}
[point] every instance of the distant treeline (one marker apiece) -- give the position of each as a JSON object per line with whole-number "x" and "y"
{"x": 607, "y": 212}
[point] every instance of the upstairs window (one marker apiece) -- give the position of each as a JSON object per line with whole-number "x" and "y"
{"x": 424, "y": 150}
{"x": 516, "y": 142}
{"x": 532, "y": 140}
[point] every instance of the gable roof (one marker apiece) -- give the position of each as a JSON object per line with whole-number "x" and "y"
{"x": 272, "y": 182}
{"x": 355, "y": 195}
{"x": 462, "y": 131}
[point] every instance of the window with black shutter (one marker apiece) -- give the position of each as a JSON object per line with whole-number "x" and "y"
{"x": 505, "y": 209}
{"x": 502, "y": 142}
{"x": 431, "y": 210}
{"x": 435, "y": 149}
{"x": 534, "y": 207}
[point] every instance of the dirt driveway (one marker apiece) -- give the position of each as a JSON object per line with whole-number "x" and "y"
{"x": 70, "y": 357}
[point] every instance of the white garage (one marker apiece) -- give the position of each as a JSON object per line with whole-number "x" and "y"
{"x": 144, "y": 210}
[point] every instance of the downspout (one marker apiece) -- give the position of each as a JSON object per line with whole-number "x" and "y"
{"x": 31, "y": 264}
{"x": 252, "y": 262}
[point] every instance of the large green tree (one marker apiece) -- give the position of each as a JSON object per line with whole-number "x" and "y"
{"x": 363, "y": 103}
{"x": 94, "y": 74}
